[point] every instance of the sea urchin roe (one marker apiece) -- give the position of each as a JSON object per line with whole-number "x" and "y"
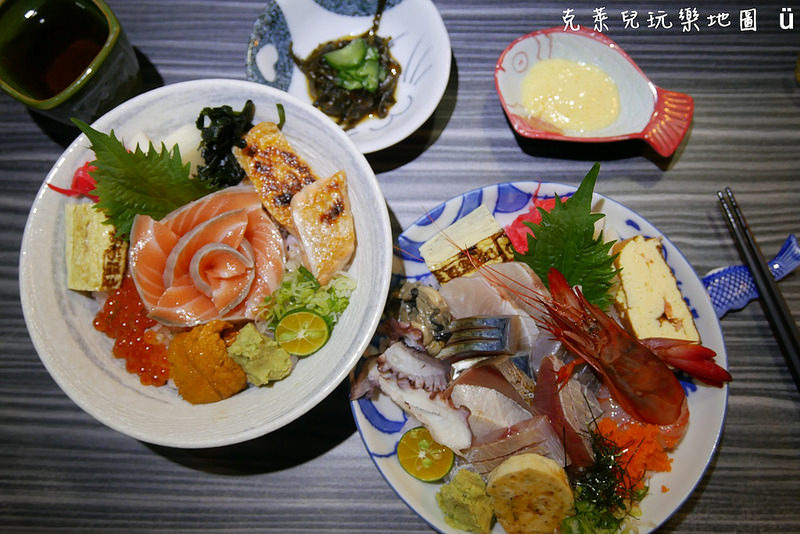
{"x": 570, "y": 95}
{"x": 200, "y": 366}
{"x": 124, "y": 319}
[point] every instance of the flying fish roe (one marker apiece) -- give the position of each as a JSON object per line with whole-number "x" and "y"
{"x": 641, "y": 450}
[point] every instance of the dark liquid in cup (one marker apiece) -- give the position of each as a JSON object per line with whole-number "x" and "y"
{"x": 56, "y": 42}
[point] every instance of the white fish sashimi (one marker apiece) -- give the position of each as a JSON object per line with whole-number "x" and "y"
{"x": 493, "y": 402}
{"x": 489, "y": 409}
{"x": 471, "y": 296}
{"x": 516, "y": 282}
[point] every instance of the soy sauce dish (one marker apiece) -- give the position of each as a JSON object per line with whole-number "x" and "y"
{"x": 578, "y": 63}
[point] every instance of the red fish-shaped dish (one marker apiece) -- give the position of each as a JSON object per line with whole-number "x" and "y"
{"x": 657, "y": 116}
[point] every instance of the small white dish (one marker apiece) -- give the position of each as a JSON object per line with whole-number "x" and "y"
{"x": 419, "y": 42}
{"x": 79, "y": 357}
{"x": 382, "y": 423}
{"x": 659, "y": 117}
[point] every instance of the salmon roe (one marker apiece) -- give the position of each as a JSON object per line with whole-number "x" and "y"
{"x": 124, "y": 319}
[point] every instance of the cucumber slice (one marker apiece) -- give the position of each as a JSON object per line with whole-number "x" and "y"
{"x": 365, "y": 76}
{"x": 349, "y": 56}
{"x": 368, "y": 72}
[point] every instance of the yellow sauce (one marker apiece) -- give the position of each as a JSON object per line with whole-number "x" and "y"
{"x": 573, "y": 96}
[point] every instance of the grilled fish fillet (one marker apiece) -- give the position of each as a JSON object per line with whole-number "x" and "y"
{"x": 275, "y": 169}
{"x": 323, "y": 220}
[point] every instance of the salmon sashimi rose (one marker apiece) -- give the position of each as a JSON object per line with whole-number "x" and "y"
{"x": 216, "y": 258}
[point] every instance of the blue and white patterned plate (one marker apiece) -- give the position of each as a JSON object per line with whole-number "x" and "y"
{"x": 419, "y": 42}
{"x": 381, "y": 423}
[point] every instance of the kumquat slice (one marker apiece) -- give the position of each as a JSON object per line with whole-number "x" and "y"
{"x": 302, "y": 332}
{"x": 422, "y": 457}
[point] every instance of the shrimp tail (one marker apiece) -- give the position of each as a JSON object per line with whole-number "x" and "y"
{"x": 695, "y": 360}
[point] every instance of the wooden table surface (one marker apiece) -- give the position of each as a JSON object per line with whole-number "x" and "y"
{"x": 62, "y": 470}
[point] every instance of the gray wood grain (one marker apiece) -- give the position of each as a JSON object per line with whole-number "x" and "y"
{"x": 61, "y": 470}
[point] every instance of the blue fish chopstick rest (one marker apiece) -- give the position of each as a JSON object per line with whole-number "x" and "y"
{"x": 732, "y": 287}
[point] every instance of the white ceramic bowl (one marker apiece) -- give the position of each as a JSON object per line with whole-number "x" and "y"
{"x": 659, "y": 117}
{"x": 79, "y": 358}
{"x": 419, "y": 42}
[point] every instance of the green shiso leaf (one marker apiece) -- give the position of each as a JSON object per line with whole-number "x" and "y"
{"x": 565, "y": 239}
{"x": 130, "y": 183}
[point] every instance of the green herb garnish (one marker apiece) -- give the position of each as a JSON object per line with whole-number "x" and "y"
{"x": 130, "y": 183}
{"x": 565, "y": 239}
{"x": 224, "y": 130}
{"x": 301, "y": 290}
{"x": 605, "y": 496}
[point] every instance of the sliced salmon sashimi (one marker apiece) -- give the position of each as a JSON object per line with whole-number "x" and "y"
{"x": 215, "y": 258}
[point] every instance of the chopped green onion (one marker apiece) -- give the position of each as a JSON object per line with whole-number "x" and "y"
{"x": 300, "y": 290}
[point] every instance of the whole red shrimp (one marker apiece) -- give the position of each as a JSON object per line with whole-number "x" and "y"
{"x": 634, "y": 371}
{"x": 637, "y": 378}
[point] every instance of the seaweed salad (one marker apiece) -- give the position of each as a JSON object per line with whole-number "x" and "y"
{"x": 352, "y": 78}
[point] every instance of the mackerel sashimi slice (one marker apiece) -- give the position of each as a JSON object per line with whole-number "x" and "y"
{"x": 215, "y": 258}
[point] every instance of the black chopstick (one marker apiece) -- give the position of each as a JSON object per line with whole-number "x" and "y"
{"x": 775, "y": 309}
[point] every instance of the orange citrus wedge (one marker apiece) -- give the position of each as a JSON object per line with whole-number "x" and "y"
{"x": 301, "y": 332}
{"x": 422, "y": 457}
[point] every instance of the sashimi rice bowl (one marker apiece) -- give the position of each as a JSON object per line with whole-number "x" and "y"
{"x": 205, "y": 263}
{"x": 548, "y": 362}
